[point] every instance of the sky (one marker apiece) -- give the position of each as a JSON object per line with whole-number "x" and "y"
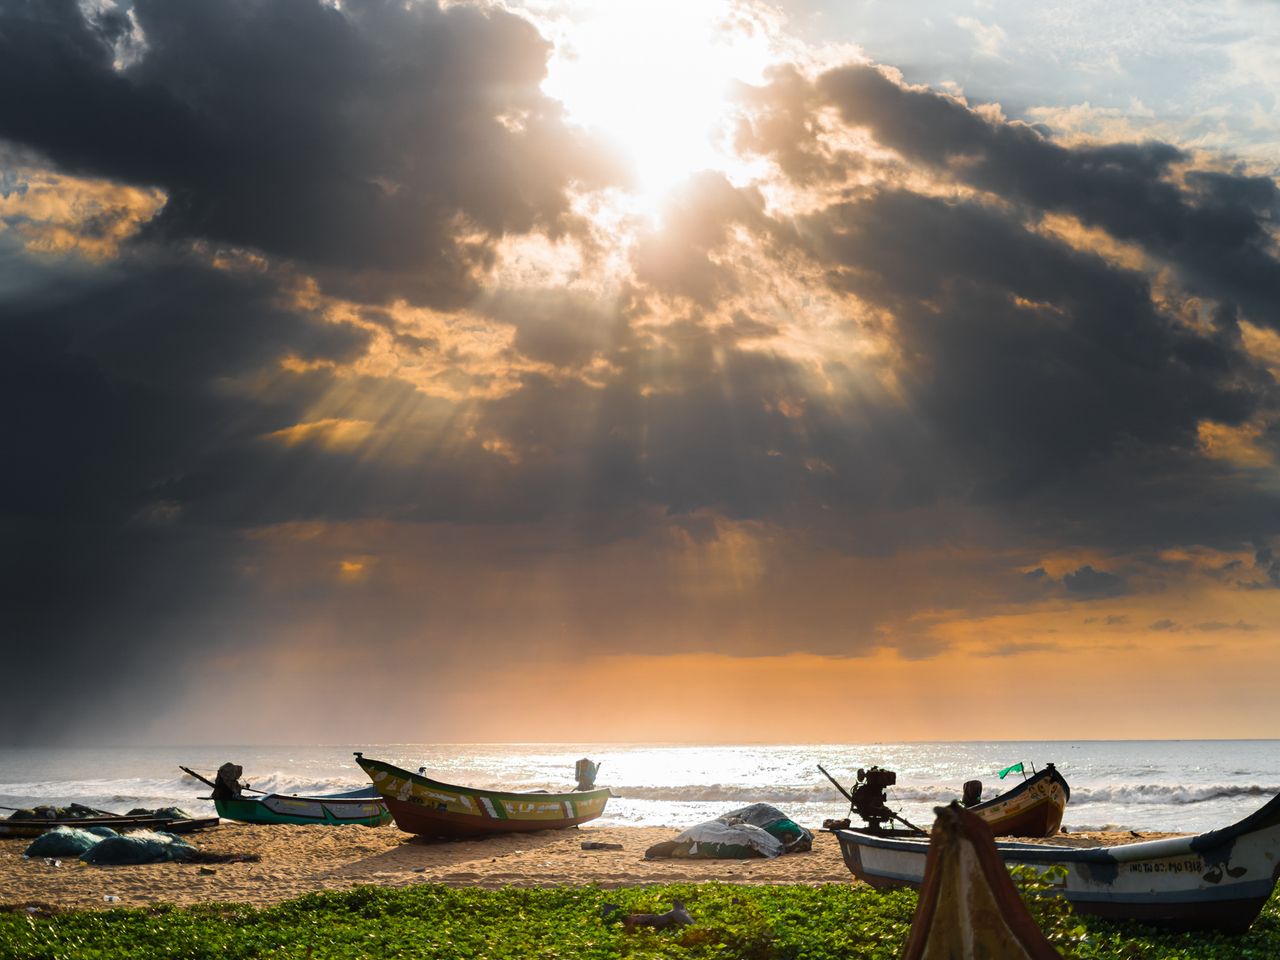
{"x": 702, "y": 371}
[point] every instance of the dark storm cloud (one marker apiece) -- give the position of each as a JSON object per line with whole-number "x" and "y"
{"x": 1017, "y": 648}
{"x": 383, "y": 147}
{"x": 1042, "y": 380}
{"x": 116, "y": 395}
{"x": 1214, "y": 229}
{"x": 1087, "y": 583}
{"x": 385, "y": 150}
{"x": 988, "y": 311}
{"x": 1035, "y": 379}
{"x": 1214, "y": 626}
{"x": 690, "y": 420}
{"x": 116, "y": 387}
{"x": 554, "y": 326}
{"x": 383, "y": 144}
{"x": 1265, "y": 560}
{"x": 783, "y": 121}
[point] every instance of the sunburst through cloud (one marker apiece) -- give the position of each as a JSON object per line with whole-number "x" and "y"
{"x": 349, "y": 342}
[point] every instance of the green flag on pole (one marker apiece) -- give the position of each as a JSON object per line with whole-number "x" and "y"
{"x": 1016, "y": 768}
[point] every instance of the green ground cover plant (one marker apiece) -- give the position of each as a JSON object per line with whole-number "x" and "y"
{"x": 573, "y": 923}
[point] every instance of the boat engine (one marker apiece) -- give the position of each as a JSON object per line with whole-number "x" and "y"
{"x": 868, "y": 797}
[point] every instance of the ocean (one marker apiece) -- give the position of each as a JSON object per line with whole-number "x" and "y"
{"x": 1166, "y": 785}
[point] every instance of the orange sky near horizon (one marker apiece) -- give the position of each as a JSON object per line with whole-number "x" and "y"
{"x": 1124, "y": 694}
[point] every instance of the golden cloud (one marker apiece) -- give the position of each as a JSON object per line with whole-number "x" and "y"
{"x": 57, "y": 214}
{"x": 331, "y": 434}
{"x": 1237, "y": 444}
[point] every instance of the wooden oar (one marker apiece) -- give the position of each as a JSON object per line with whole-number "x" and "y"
{"x": 197, "y": 776}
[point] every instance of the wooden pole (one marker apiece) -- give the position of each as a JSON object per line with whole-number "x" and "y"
{"x": 837, "y": 784}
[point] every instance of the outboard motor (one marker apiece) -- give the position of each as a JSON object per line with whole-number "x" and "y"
{"x": 226, "y": 785}
{"x": 585, "y": 771}
{"x": 869, "y": 797}
{"x": 972, "y": 793}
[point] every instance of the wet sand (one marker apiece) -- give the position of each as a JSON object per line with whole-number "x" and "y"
{"x": 296, "y": 860}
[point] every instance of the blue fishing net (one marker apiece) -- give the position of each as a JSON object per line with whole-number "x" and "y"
{"x": 142, "y": 846}
{"x": 65, "y": 842}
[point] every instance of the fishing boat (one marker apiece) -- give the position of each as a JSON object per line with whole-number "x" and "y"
{"x": 439, "y": 810}
{"x": 1033, "y": 808}
{"x": 1218, "y": 880}
{"x": 362, "y": 807}
{"x": 968, "y": 905}
{"x": 35, "y": 826}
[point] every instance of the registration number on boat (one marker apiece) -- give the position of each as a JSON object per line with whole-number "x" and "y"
{"x": 1192, "y": 865}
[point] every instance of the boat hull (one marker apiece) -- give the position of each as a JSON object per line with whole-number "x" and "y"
{"x": 1218, "y": 880}
{"x": 431, "y": 808}
{"x": 1033, "y": 808}
{"x": 34, "y": 828}
{"x": 364, "y": 809}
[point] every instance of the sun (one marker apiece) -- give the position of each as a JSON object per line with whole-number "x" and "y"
{"x": 656, "y": 78}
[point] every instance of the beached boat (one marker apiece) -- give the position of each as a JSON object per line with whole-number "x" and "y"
{"x": 363, "y": 807}
{"x": 968, "y": 905}
{"x": 1033, "y": 808}
{"x": 34, "y": 826}
{"x": 431, "y": 808}
{"x": 1218, "y": 880}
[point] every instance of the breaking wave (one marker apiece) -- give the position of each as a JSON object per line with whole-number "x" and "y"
{"x": 279, "y": 783}
{"x": 1136, "y": 794}
{"x": 1166, "y": 794}
{"x": 748, "y": 792}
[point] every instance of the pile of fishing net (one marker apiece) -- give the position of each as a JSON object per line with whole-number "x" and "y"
{"x": 161, "y": 813}
{"x": 104, "y": 847}
{"x": 67, "y": 841}
{"x": 78, "y": 811}
{"x": 758, "y": 830}
{"x": 75, "y": 811}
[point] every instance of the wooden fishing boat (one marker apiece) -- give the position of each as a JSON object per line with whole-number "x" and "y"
{"x": 363, "y": 807}
{"x": 118, "y": 822}
{"x": 431, "y": 808}
{"x": 1218, "y": 880}
{"x": 1033, "y": 808}
{"x": 968, "y": 904}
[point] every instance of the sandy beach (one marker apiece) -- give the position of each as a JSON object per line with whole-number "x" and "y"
{"x": 296, "y": 860}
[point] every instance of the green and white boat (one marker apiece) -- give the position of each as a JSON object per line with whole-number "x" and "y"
{"x": 364, "y": 807}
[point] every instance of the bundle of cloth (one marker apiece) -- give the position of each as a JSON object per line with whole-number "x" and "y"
{"x": 758, "y": 830}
